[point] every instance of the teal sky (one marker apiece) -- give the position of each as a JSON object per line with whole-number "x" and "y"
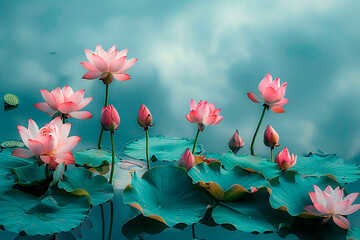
{"x": 205, "y": 50}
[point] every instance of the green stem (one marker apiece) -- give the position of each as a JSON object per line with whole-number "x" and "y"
{"x": 105, "y": 105}
{"x": 257, "y": 129}
{"x": 196, "y": 138}
{"x": 103, "y": 222}
{"x": 147, "y": 148}
{"x": 272, "y": 154}
{"x": 113, "y": 157}
{"x": 193, "y": 230}
{"x": 111, "y": 218}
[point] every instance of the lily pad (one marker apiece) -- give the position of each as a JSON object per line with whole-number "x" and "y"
{"x": 252, "y": 213}
{"x": 161, "y": 148}
{"x": 78, "y": 181}
{"x": 226, "y": 185}
{"x": 54, "y": 212}
{"x": 12, "y": 144}
{"x": 8, "y": 162}
{"x": 58, "y": 174}
{"x": 96, "y": 160}
{"x": 263, "y": 165}
{"x": 7, "y": 181}
{"x": 31, "y": 174}
{"x": 290, "y": 192}
{"x": 353, "y": 233}
{"x": 166, "y": 194}
{"x": 320, "y": 164}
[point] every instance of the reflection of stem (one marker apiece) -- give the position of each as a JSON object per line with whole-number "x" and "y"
{"x": 113, "y": 157}
{"x": 257, "y": 129}
{"x": 196, "y": 138}
{"x": 272, "y": 154}
{"x": 147, "y": 148}
{"x": 106, "y": 102}
{"x": 111, "y": 218}
{"x": 103, "y": 222}
{"x": 193, "y": 230}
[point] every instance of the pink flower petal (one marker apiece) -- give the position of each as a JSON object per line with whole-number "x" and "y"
{"x": 25, "y": 134}
{"x": 351, "y": 209}
{"x": 59, "y": 96}
{"x": 111, "y": 49}
{"x": 277, "y": 109}
{"x": 218, "y": 119}
{"x": 194, "y": 117}
{"x": 45, "y": 108}
{"x": 57, "y": 121}
{"x": 351, "y": 197}
{"x": 100, "y": 63}
{"x": 217, "y": 111}
{"x": 313, "y": 210}
{"x": 265, "y": 83}
{"x": 49, "y": 99}
{"x": 282, "y": 102}
{"x": 89, "y": 54}
{"x": 121, "y": 77}
{"x": 281, "y": 91}
{"x": 84, "y": 103}
{"x": 92, "y": 75}
{"x": 270, "y": 95}
{"x": 49, "y": 160}
{"x": 209, "y": 120}
{"x": 100, "y": 51}
{"x": 321, "y": 208}
{"x": 64, "y": 131}
{"x": 69, "y": 144}
{"x": 66, "y": 157}
{"x": 341, "y": 221}
{"x": 116, "y": 65}
{"x": 77, "y": 97}
{"x": 122, "y": 53}
{"x": 22, "y": 153}
{"x": 193, "y": 105}
{"x": 128, "y": 64}
{"x": 67, "y": 107}
{"x": 111, "y": 57}
{"x": 67, "y": 92}
{"x": 80, "y": 115}
{"x": 253, "y": 97}
{"x": 341, "y": 207}
{"x": 36, "y": 147}
{"x": 89, "y": 66}
{"x": 33, "y": 128}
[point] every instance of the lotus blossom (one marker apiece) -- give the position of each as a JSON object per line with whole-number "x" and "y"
{"x": 107, "y": 65}
{"x": 284, "y": 160}
{"x": 271, "y": 93}
{"x": 332, "y": 203}
{"x": 271, "y": 137}
{"x": 50, "y": 143}
{"x": 187, "y": 160}
{"x": 236, "y": 142}
{"x": 144, "y": 117}
{"x": 204, "y": 114}
{"x": 110, "y": 119}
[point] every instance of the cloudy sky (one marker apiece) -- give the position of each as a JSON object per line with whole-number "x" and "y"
{"x": 205, "y": 50}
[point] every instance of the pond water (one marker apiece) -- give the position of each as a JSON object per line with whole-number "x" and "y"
{"x": 191, "y": 50}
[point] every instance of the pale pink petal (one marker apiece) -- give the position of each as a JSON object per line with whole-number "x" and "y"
{"x": 22, "y": 153}
{"x": 45, "y": 108}
{"x": 320, "y": 208}
{"x": 57, "y": 121}
{"x": 253, "y": 97}
{"x": 69, "y": 144}
{"x": 212, "y": 109}
{"x": 100, "y": 51}
{"x": 218, "y": 119}
{"x": 128, "y": 64}
{"x": 111, "y": 49}
{"x": 59, "y": 96}
{"x": 265, "y": 83}
{"x": 341, "y": 221}
{"x": 121, "y": 77}
{"x": 193, "y": 104}
{"x": 340, "y": 207}
{"x": 84, "y": 103}
{"x": 64, "y": 131}
{"x": 281, "y": 91}
{"x": 275, "y": 84}
{"x": 49, "y": 160}
{"x": 25, "y": 134}
{"x": 67, "y": 107}
{"x": 217, "y": 111}
{"x": 35, "y": 146}
{"x": 270, "y": 95}
{"x": 116, "y": 65}
{"x": 66, "y": 157}
{"x": 77, "y": 97}
{"x": 100, "y": 63}
{"x": 277, "y": 109}
{"x": 122, "y": 53}
{"x": 329, "y": 201}
{"x": 111, "y": 57}
{"x": 80, "y": 115}
{"x": 282, "y": 102}
{"x": 313, "y": 210}
{"x": 203, "y": 109}
{"x": 319, "y": 196}
{"x": 351, "y": 209}
{"x": 193, "y": 117}
{"x": 67, "y": 92}
{"x": 49, "y": 99}
{"x": 89, "y": 53}
{"x": 351, "y": 197}
{"x": 92, "y": 75}
{"x": 89, "y": 66}
{"x": 33, "y": 128}
{"x": 209, "y": 120}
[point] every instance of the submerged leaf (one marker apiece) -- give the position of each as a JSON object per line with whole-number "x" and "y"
{"x": 31, "y": 174}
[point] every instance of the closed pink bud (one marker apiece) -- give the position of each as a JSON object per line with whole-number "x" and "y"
{"x": 236, "y": 142}
{"x": 187, "y": 160}
{"x": 110, "y": 119}
{"x": 271, "y": 137}
{"x": 144, "y": 117}
{"x": 284, "y": 160}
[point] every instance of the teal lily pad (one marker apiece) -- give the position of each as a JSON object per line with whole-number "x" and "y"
{"x": 55, "y": 212}
{"x": 8, "y": 162}
{"x": 166, "y": 194}
{"x": 263, "y": 165}
{"x": 161, "y": 148}
{"x": 353, "y": 233}
{"x": 58, "y": 174}
{"x": 7, "y": 181}
{"x": 78, "y": 181}
{"x": 30, "y": 175}
{"x": 319, "y": 165}
{"x": 252, "y": 213}
{"x": 216, "y": 156}
{"x": 226, "y": 185}
{"x": 290, "y": 191}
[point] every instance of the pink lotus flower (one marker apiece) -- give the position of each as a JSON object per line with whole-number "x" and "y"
{"x": 107, "y": 65}
{"x": 187, "y": 160}
{"x": 66, "y": 102}
{"x": 284, "y": 160}
{"x": 144, "y": 117}
{"x": 110, "y": 119}
{"x": 331, "y": 203}
{"x": 236, "y": 142}
{"x": 271, "y": 137}
{"x": 204, "y": 114}
{"x": 271, "y": 93}
{"x": 51, "y": 143}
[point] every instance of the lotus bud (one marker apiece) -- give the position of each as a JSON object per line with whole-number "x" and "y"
{"x": 236, "y": 142}
{"x": 187, "y": 160}
{"x": 271, "y": 137}
{"x": 110, "y": 119}
{"x": 144, "y": 117}
{"x": 284, "y": 160}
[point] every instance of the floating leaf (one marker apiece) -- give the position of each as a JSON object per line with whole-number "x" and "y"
{"x": 7, "y": 181}
{"x": 8, "y": 162}
{"x": 252, "y": 213}
{"x": 58, "y": 174}
{"x": 216, "y": 156}
{"x": 166, "y": 193}
{"x": 226, "y": 185}
{"x": 31, "y": 174}
{"x": 319, "y": 165}
{"x": 161, "y": 148}
{"x": 353, "y": 233}
{"x": 78, "y": 181}
{"x": 290, "y": 191}
{"x": 263, "y": 165}
{"x": 12, "y": 144}
{"x": 54, "y": 212}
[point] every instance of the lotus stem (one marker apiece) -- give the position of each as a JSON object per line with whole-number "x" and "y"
{"x": 196, "y": 138}
{"x": 111, "y": 218}
{"x": 113, "y": 157}
{"x": 193, "y": 230}
{"x": 103, "y": 222}
{"x": 147, "y": 148}
{"x": 272, "y": 154}
{"x": 106, "y": 103}
{"x": 63, "y": 118}
{"x": 257, "y": 129}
